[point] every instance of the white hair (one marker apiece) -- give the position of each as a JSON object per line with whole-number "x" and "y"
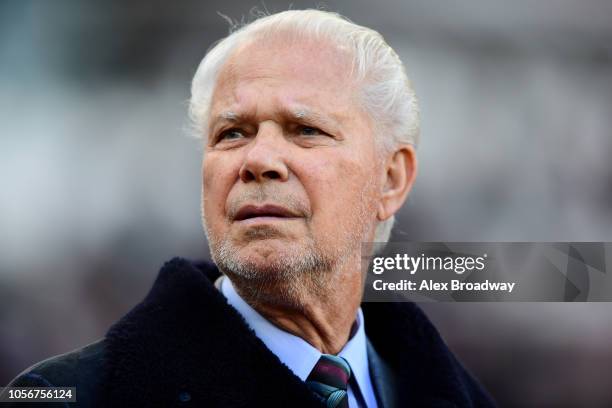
{"x": 386, "y": 91}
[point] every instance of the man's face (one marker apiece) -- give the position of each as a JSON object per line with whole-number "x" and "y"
{"x": 290, "y": 176}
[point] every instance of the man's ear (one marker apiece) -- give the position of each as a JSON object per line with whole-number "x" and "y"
{"x": 400, "y": 173}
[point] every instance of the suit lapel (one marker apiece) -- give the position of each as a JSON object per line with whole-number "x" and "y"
{"x": 382, "y": 379}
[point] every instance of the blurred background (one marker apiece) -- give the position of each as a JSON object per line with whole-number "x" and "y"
{"x": 100, "y": 182}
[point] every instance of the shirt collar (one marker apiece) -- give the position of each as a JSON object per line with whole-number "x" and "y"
{"x": 293, "y": 351}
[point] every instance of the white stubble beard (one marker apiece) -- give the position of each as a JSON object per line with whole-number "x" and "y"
{"x": 302, "y": 270}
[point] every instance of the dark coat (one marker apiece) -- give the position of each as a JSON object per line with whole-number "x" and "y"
{"x": 184, "y": 345}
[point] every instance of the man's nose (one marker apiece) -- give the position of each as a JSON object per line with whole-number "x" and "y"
{"x": 265, "y": 158}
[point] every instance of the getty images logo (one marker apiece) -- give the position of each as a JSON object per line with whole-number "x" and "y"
{"x": 413, "y": 264}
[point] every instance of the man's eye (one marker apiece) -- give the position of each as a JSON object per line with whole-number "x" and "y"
{"x": 309, "y": 131}
{"x": 231, "y": 134}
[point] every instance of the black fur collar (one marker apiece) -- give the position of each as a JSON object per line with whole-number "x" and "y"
{"x": 183, "y": 345}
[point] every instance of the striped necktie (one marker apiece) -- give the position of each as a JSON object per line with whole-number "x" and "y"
{"x": 329, "y": 379}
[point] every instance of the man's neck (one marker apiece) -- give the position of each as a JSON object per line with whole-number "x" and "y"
{"x": 323, "y": 319}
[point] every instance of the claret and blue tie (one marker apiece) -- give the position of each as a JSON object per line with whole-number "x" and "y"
{"x": 329, "y": 379}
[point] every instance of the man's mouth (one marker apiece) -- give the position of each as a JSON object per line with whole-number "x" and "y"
{"x": 264, "y": 212}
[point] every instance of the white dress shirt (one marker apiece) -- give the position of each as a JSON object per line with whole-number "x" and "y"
{"x": 300, "y": 356}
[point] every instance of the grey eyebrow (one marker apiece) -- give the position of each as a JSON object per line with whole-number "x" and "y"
{"x": 229, "y": 115}
{"x": 304, "y": 113}
{"x": 300, "y": 113}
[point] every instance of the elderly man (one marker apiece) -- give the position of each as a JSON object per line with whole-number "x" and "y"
{"x": 309, "y": 124}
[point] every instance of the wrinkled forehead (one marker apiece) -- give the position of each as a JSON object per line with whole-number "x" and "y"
{"x": 293, "y": 60}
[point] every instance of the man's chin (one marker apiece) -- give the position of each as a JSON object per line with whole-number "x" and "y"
{"x": 267, "y": 256}
{"x": 270, "y": 247}
{"x": 270, "y": 259}
{"x": 256, "y": 255}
